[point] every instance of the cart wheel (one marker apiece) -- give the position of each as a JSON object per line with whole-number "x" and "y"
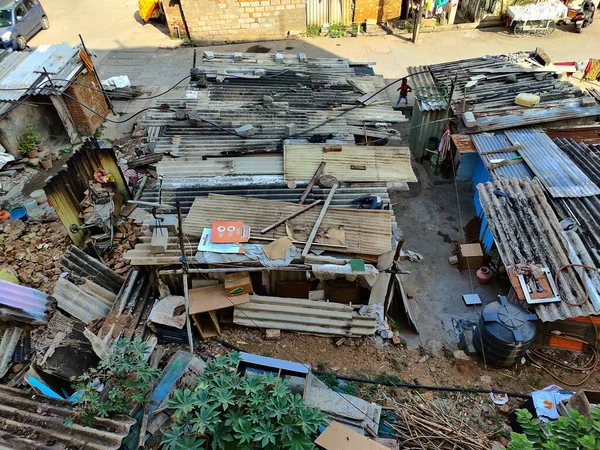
{"x": 519, "y": 29}
{"x": 73, "y": 228}
{"x": 546, "y": 28}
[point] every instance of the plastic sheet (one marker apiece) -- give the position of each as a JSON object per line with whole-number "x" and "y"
{"x": 549, "y": 10}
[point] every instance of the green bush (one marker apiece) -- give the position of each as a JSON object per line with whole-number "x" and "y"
{"x": 336, "y": 30}
{"x": 574, "y": 431}
{"x": 126, "y": 377}
{"x": 313, "y": 30}
{"x": 228, "y": 411}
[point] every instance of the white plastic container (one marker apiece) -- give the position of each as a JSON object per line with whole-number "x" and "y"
{"x": 40, "y": 197}
{"x": 32, "y": 208}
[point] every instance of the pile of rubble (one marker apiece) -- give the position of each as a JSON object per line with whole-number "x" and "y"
{"x": 32, "y": 252}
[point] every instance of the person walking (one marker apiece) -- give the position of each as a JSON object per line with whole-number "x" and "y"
{"x": 404, "y": 90}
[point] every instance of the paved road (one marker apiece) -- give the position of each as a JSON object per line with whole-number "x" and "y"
{"x": 105, "y": 25}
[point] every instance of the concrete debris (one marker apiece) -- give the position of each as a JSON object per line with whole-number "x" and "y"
{"x": 459, "y": 354}
{"x": 34, "y": 251}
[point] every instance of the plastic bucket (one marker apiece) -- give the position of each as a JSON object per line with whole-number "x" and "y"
{"x": 40, "y": 197}
{"x": 18, "y": 213}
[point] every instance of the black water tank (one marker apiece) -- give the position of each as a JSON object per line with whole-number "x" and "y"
{"x": 506, "y": 331}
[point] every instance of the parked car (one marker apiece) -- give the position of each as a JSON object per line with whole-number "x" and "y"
{"x": 19, "y": 21}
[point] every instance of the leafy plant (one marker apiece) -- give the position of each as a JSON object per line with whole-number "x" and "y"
{"x": 407, "y": 27}
{"x": 574, "y": 431}
{"x": 125, "y": 378}
{"x": 313, "y": 30}
{"x": 234, "y": 412}
{"x": 337, "y": 30}
{"x": 29, "y": 139}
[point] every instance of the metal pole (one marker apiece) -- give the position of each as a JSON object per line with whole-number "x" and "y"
{"x": 417, "y": 26}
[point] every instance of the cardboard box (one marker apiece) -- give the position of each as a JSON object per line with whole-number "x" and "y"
{"x": 238, "y": 283}
{"x": 470, "y": 257}
{"x": 211, "y": 298}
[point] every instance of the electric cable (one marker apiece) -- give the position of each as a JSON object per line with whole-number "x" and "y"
{"x": 326, "y": 121}
{"x": 583, "y": 275}
{"x": 399, "y": 385}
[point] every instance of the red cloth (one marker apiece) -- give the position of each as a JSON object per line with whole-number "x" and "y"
{"x": 404, "y": 89}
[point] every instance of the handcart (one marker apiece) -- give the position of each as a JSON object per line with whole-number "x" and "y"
{"x": 538, "y": 18}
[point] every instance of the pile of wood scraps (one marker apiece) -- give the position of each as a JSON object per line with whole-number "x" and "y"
{"x": 436, "y": 423}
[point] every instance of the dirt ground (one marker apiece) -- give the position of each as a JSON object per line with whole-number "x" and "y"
{"x": 397, "y": 364}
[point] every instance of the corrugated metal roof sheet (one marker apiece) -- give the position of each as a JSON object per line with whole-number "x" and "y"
{"x": 583, "y": 134}
{"x": 22, "y": 70}
{"x": 557, "y": 172}
{"x": 31, "y": 421}
{"x": 491, "y": 142}
{"x": 463, "y": 143}
{"x": 22, "y": 303}
{"x": 365, "y": 231}
{"x": 353, "y": 163}
{"x": 587, "y": 158}
{"x": 86, "y": 302}
{"x": 526, "y": 230}
{"x": 548, "y": 112}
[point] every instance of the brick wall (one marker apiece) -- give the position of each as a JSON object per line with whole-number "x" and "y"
{"x": 86, "y": 121}
{"x": 211, "y": 21}
{"x": 381, "y": 10}
{"x": 174, "y": 16}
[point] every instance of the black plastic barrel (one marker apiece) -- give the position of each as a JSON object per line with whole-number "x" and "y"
{"x": 504, "y": 333}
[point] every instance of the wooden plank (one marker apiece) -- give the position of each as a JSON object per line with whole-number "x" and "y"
{"x": 338, "y": 437}
{"x": 312, "y": 182}
{"x": 317, "y": 224}
{"x": 512, "y": 148}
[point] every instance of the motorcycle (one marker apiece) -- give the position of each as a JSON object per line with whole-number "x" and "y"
{"x": 580, "y": 22}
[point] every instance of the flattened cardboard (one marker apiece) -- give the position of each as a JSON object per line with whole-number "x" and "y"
{"x": 229, "y": 232}
{"x": 211, "y": 298}
{"x": 338, "y": 437}
{"x": 277, "y": 248}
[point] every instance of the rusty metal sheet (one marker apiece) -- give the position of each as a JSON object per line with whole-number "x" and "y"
{"x": 526, "y": 229}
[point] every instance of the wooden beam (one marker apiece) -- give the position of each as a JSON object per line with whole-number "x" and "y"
{"x": 313, "y": 233}
{"x": 291, "y": 216}
{"x": 512, "y": 148}
{"x": 312, "y": 182}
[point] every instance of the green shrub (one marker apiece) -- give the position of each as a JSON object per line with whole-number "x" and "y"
{"x": 126, "y": 377}
{"x": 228, "y": 411}
{"x": 336, "y": 30}
{"x": 313, "y": 30}
{"x": 574, "y": 431}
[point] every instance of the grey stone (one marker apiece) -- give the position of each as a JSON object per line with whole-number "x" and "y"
{"x": 459, "y": 354}
{"x": 434, "y": 346}
{"x": 466, "y": 342}
{"x": 485, "y": 380}
{"x": 33, "y": 162}
{"x": 246, "y": 130}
